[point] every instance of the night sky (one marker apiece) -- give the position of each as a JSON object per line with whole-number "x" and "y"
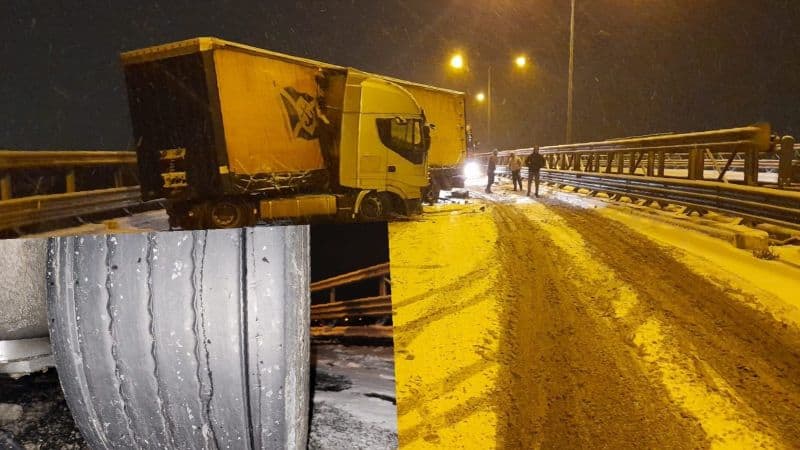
{"x": 642, "y": 66}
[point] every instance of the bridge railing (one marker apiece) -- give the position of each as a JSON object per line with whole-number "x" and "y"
{"x": 709, "y": 155}
{"x": 68, "y": 194}
{"x": 347, "y": 318}
{"x": 671, "y": 168}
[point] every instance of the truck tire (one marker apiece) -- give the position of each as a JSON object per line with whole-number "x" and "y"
{"x": 184, "y": 339}
{"x": 230, "y": 214}
{"x": 372, "y": 208}
{"x": 187, "y": 216}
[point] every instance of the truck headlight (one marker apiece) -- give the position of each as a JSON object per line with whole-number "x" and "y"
{"x": 472, "y": 170}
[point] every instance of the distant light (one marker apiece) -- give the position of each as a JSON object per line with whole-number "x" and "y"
{"x": 472, "y": 170}
{"x": 457, "y": 61}
{"x": 480, "y": 97}
{"x": 521, "y": 61}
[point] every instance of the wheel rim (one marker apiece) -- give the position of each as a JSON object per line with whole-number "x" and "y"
{"x": 371, "y": 207}
{"x": 225, "y": 215}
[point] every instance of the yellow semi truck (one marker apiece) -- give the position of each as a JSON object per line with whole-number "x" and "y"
{"x": 229, "y": 133}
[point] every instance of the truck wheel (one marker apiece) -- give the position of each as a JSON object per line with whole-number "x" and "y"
{"x": 230, "y": 214}
{"x": 372, "y": 208}
{"x": 184, "y": 339}
{"x": 187, "y": 216}
{"x": 432, "y": 194}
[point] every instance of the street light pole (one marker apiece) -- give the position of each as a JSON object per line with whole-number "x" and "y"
{"x": 571, "y": 63}
{"x": 489, "y": 106}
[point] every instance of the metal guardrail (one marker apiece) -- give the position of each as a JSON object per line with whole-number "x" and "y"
{"x": 40, "y": 208}
{"x": 328, "y": 318}
{"x": 635, "y": 167}
{"x": 35, "y": 209}
{"x": 27, "y": 159}
{"x": 743, "y": 147}
{"x": 364, "y": 307}
{"x": 360, "y": 332}
{"x": 380, "y": 270}
{"x": 756, "y": 204}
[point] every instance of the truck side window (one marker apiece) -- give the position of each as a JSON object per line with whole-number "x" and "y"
{"x": 403, "y": 137}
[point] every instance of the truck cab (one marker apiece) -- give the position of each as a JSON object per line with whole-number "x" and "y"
{"x": 384, "y": 143}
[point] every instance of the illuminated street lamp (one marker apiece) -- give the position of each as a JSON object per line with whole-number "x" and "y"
{"x": 457, "y": 61}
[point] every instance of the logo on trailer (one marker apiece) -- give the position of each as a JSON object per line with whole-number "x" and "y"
{"x": 301, "y": 108}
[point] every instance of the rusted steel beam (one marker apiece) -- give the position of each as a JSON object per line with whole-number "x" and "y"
{"x": 29, "y": 159}
{"x": 351, "y": 277}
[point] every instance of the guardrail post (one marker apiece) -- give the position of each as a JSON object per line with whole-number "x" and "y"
{"x": 651, "y": 163}
{"x": 118, "y": 177}
{"x": 785, "y": 163}
{"x": 382, "y": 286}
{"x": 5, "y": 186}
{"x": 576, "y": 163}
{"x": 332, "y": 295}
{"x": 696, "y": 163}
{"x": 70, "y": 180}
{"x": 750, "y": 165}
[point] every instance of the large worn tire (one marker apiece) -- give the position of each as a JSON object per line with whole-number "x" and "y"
{"x": 184, "y": 339}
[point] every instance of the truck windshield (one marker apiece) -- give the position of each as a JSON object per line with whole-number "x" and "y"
{"x": 403, "y": 136}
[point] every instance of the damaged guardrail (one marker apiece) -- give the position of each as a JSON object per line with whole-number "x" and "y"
{"x": 357, "y": 318}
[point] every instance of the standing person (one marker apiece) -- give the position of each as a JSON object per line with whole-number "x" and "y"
{"x": 515, "y": 166}
{"x": 534, "y": 162}
{"x": 490, "y": 168}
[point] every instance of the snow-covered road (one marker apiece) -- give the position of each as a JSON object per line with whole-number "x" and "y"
{"x": 566, "y": 322}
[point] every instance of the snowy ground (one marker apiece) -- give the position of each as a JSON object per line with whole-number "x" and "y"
{"x": 354, "y": 399}
{"x": 353, "y": 404}
{"x": 572, "y": 322}
{"x": 155, "y": 220}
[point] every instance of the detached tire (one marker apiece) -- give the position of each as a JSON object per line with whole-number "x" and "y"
{"x": 184, "y": 339}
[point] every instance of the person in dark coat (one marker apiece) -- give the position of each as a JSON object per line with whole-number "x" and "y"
{"x": 490, "y": 168}
{"x": 534, "y": 162}
{"x": 515, "y": 166}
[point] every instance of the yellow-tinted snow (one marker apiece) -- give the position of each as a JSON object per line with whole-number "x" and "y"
{"x": 538, "y": 324}
{"x": 445, "y": 328}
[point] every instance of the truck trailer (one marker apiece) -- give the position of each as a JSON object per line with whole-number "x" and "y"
{"x": 229, "y": 134}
